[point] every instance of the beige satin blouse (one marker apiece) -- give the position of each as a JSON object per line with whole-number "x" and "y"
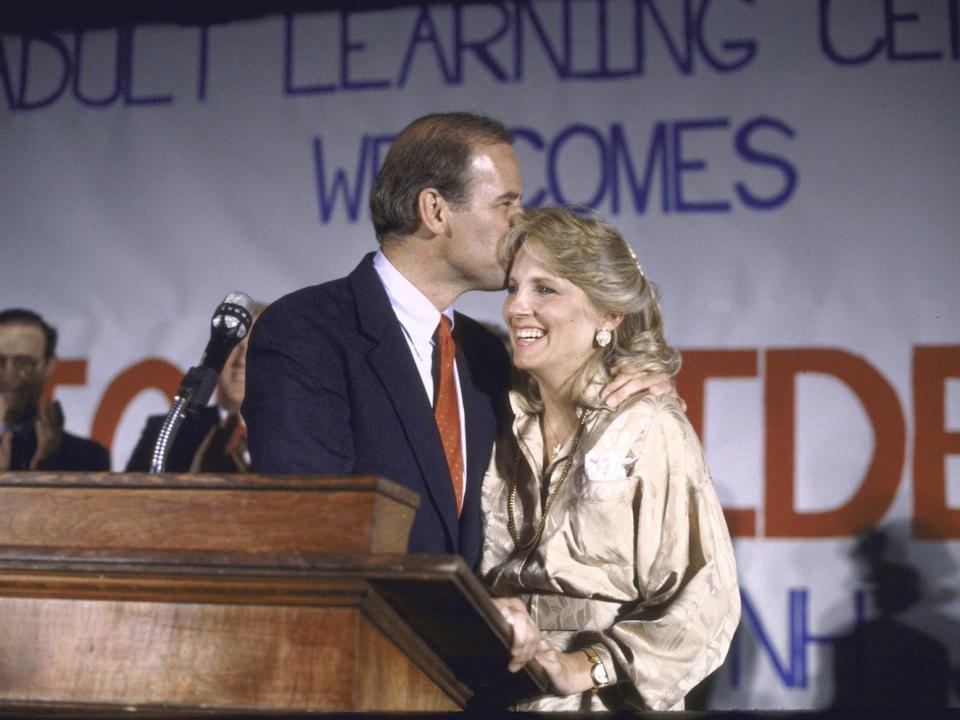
{"x": 635, "y": 558}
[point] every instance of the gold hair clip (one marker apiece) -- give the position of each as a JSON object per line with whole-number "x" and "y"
{"x": 634, "y": 256}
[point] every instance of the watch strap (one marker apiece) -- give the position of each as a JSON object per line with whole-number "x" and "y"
{"x": 598, "y": 671}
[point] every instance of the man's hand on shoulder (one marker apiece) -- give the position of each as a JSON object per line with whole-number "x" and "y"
{"x": 627, "y": 384}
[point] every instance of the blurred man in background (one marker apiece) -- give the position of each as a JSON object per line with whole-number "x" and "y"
{"x": 33, "y": 438}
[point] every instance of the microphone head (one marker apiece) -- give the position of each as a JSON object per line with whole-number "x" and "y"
{"x": 229, "y": 325}
{"x": 233, "y": 316}
{"x": 239, "y": 298}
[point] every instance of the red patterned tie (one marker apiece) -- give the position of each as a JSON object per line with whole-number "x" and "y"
{"x": 445, "y": 409}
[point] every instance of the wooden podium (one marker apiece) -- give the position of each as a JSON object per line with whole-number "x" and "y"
{"x": 202, "y": 594}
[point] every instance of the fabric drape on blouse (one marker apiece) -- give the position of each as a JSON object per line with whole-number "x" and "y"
{"x": 635, "y": 558}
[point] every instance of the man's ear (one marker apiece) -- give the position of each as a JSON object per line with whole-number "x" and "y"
{"x": 433, "y": 210}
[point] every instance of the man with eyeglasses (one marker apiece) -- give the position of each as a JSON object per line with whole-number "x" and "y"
{"x": 32, "y": 438}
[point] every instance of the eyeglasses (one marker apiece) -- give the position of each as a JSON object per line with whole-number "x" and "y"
{"x": 22, "y": 364}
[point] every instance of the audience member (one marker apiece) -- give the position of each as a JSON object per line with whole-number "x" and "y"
{"x": 31, "y": 437}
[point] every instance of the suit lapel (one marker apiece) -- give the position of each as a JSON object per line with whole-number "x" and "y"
{"x": 390, "y": 360}
{"x": 479, "y": 433}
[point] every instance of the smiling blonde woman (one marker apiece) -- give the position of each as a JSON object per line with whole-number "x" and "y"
{"x": 604, "y": 539}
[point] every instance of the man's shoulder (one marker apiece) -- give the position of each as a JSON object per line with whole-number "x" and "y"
{"x": 325, "y": 308}
{"x": 310, "y": 297}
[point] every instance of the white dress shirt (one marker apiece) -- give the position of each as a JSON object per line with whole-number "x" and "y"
{"x": 419, "y": 320}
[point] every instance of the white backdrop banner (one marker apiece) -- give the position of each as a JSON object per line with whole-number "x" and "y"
{"x": 785, "y": 171}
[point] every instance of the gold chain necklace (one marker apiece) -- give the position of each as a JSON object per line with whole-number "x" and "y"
{"x": 511, "y": 497}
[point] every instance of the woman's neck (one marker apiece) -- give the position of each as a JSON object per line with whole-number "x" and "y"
{"x": 558, "y": 421}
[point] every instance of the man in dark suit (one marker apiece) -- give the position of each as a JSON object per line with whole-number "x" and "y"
{"x": 211, "y": 439}
{"x": 341, "y": 377}
{"x": 31, "y": 437}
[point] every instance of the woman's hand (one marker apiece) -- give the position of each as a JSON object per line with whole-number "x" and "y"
{"x": 526, "y": 638}
{"x": 569, "y": 672}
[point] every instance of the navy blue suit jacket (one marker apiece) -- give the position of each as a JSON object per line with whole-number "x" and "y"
{"x": 332, "y": 388}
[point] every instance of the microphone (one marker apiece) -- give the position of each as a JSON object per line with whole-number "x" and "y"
{"x": 228, "y": 326}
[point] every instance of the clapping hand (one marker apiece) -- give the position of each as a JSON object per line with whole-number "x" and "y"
{"x": 49, "y": 428}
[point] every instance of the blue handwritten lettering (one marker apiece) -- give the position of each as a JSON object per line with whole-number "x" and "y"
{"x": 666, "y": 167}
{"x": 126, "y": 67}
{"x": 5, "y": 75}
{"x": 352, "y": 197}
{"x": 425, "y": 32}
{"x": 682, "y": 165}
{"x": 203, "y": 62}
{"x": 656, "y": 157}
{"x": 682, "y": 58}
{"x": 289, "y": 88}
{"x": 750, "y": 154}
{"x": 792, "y": 669}
{"x": 553, "y": 177}
{"x": 481, "y": 46}
{"x": 742, "y": 51}
{"x": 559, "y": 60}
{"x": 348, "y": 46}
{"x": 601, "y": 34}
{"x": 954, "y": 13}
{"x": 23, "y": 102}
{"x": 892, "y": 19}
{"x": 77, "y": 72}
{"x": 889, "y": 38}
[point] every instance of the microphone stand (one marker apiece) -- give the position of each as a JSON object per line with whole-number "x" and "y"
{"x": 194, "y": 392}
{"x": 230, "y": 323}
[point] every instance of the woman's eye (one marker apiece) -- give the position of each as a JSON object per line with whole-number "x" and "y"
{"x": 544, "y": 290}
{"x": 511, "y": 289}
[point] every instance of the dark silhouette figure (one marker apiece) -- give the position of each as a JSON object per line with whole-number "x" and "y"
{"x": 884, "y": 663}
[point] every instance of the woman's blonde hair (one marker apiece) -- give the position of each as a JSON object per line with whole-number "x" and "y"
{"x": 591, "y": 254}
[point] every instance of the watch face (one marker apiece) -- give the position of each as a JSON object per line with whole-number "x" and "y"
{"x": 599, "y": 674}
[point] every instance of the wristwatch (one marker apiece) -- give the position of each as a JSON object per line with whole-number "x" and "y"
{"x": 598, "y": 673}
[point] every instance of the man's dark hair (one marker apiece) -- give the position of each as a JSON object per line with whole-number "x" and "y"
{"x": 432, "y": 151}
{"x": 22, "y": 316}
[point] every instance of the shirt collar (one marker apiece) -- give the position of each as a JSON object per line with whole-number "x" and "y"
{"x": 414, "y": 311}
